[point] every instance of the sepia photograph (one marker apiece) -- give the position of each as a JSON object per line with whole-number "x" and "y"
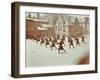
{"x": 57, "y": 39}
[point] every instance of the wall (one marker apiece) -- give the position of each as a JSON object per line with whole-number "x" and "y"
{"x": 5, "y": 40}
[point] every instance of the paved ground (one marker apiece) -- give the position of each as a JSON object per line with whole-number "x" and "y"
{"x": 37, "y": 56}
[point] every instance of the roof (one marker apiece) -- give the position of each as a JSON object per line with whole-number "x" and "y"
{"x": 41, "y": 28}
{"x": 37, "y": 20}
